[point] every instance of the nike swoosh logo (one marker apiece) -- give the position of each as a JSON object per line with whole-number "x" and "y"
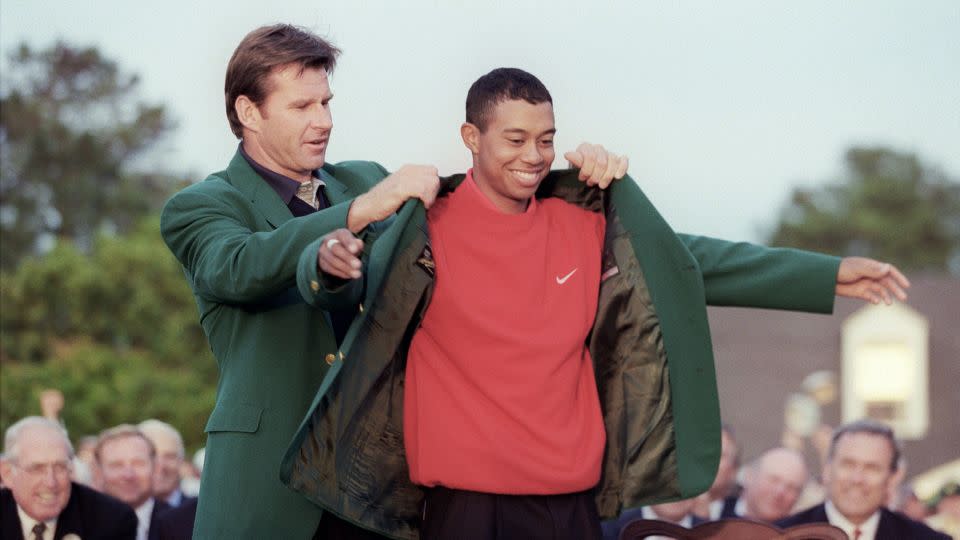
{"x": 562, "y": 280}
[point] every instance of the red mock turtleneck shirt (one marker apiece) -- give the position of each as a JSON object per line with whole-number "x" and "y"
{"x": 500, "y": 394}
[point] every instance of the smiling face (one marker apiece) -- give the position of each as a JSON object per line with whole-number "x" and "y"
{"x": 38, "y": 474}
{"x": 774, "y": 484}
{"x": 127, "y": 468}
{"x": 513, "y": 154}
{"x": 858, "y": 474}
{"x": 166, "y": 478}
{"x": 288, "y": 133}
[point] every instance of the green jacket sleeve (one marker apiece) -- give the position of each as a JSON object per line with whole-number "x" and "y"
{"x": 322, "y": 291}
{"x": 748, "y": 275}
{"x": 210, "y": 228}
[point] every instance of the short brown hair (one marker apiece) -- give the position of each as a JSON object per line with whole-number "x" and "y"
{"x": 122, "y": 431}
{"x": 265, "y": 49}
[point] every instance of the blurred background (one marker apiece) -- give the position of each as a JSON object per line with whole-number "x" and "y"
{"x": 826, "y": 126}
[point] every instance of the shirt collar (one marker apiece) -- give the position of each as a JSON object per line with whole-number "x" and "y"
{"x": 740, "y": 508}
{"x": 28, "y": 522}
{"x": 868, "y": 529}
{"x": 285, "y": 186}
{"x": 648, "y": 513}
{"x": 175, "y": 498}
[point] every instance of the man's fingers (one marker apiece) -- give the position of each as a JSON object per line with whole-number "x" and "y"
{"x": 338, "y": 254}
{"x": 900, "y": 279}
{"x": 599, "y": 172}
{"x": 574, "y": 159}
{"x": 622, "y": 165}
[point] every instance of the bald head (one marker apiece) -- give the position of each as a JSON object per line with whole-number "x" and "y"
{"x": 773, "y": 484}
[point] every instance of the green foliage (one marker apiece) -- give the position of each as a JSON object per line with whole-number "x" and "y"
{"x": 116, "y": 330}
{"x": 71, "y": 134}
{"x": 890, "y": 206}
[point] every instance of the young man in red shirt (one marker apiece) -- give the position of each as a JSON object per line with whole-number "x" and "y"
{"x": 502, "y": 422}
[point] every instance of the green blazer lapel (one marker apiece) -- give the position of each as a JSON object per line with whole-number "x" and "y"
{"x": 336, "y": 190}
{"x": 258, "y": 191}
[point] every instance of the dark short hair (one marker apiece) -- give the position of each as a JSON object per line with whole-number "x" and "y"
{"x": 122, "y": 431}
{"x": 870, "y": 427}
{"x": 502, "y": 84}
{"x": 265, "y": 49}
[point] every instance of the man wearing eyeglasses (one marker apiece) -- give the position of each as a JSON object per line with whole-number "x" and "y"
{"x": 42, "y": 503}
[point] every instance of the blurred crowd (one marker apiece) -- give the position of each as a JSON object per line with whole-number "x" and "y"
{"x": 859, "y": 488}
{"x": 134, "y": 481}
{"x": 129, "y": 481}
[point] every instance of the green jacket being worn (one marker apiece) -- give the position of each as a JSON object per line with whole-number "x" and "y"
{"x": 239, "y": 245}
{"x": 650, "y": 346}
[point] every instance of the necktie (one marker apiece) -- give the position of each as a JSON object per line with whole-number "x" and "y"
{"x": 856, "y": 533}
{"x": 38, "y": 530}
{"x": 307, "y": 192}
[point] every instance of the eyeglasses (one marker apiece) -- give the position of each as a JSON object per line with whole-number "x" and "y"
{"x": 59, "y": 468}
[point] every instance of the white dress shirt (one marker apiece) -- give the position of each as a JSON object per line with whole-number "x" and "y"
{"x": 868, "y": 529}
{"x": 27, "y": 523}
{"x": 144, "y": 511}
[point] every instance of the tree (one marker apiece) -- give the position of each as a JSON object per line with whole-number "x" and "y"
{"x": 890, "y": 206}
{"x": 71, "y": 133}
{"x": 114, "y": 329}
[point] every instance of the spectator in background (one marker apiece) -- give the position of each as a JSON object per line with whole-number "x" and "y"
{"x": 42, "y": 501}
{"x": 679, "y": 512}
{"x": 85, "y": 463}
{"x": 710, "y": 505}
{"x": 861, "y": 462}
{"x": 169, "y": 446}
{"x": 126, "y": 460}
{"x": 771, "y": 485}
{"x": 947, "y": 503}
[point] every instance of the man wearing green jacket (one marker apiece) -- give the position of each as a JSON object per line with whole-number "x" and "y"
{"x": 533, "y": 352}
{"x": 238, "y": 235}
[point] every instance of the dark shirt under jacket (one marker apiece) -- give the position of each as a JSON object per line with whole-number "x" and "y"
{"x": 286, "y": 188}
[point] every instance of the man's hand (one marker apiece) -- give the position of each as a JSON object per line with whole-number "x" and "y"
{"x": 339, "y": 253}
{"x": 408, "y": 182}
{"x": 51, "y": 403}
{"x": 598, "y": 166}
{"x": 870, "y": 280}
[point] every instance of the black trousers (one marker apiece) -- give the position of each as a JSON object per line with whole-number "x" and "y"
{"x": 451, "y": 514}
{"x": 333, "y": 528}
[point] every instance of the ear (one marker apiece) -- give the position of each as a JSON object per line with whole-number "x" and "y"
{"x": 471, "y": 137}
{"x": 5, "y": 471}
{"x": 248, "y": 113}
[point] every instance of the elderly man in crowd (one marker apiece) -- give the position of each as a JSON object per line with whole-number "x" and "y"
{"x": 169, "y": 445}
{"x": 771, "y": 486}
{"x": 42, "y": 502}
{"x": 126, "y": 460}
{"x": 861, "y": 464}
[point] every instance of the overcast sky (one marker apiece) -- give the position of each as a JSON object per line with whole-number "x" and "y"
{"x": 723, "y": 107}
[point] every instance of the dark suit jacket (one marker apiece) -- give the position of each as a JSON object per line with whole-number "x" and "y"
{"x": 892, "y": 526}
{"x": 89, "y": 514}
{"x": 159, "y": 507}
{"x": 239, "y": 244}
{"x": 176, "y": 523}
